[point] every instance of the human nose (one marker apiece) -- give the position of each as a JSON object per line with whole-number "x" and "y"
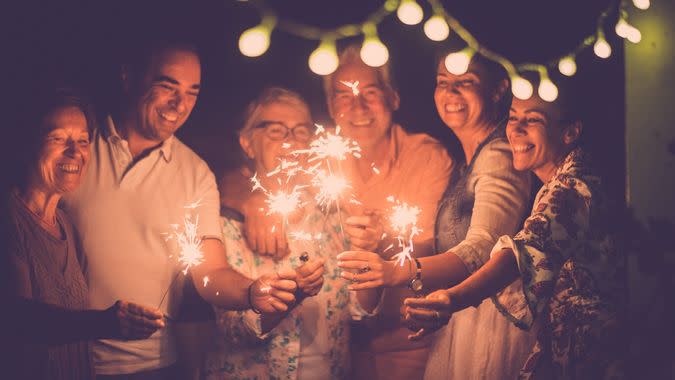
{"x": 178, "y": 102}
{"x": 73, "y": 149}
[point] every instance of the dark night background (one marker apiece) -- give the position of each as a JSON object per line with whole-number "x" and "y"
{"x": 80, "y": 42}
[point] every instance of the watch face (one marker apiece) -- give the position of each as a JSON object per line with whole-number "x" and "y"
{"x": 416, "y": 285}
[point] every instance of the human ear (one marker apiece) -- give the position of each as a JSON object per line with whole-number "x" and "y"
{"x": 246, "y": 145}
{"x": 572, "y": 132}
{"x": 500, "y": 90}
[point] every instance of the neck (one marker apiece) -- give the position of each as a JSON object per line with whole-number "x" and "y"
{"x": 471, "y": 138}
{"x": 374, "y": 154}
{"x": 138, "y": 144}
{"x": 41, "y": 203}
{"x": 546, "y": 171}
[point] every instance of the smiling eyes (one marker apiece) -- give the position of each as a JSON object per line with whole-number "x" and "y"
{"x": 61, "y": 139}
{"x": 169, "y": 88}
{"x": 461, "y": 83}
{"x": 532, "y": 120}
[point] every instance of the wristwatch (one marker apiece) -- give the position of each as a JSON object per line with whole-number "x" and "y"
{"x": 416, "y": 283}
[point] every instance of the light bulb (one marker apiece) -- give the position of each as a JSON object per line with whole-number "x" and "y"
{"x": 373, "y": 52}
{"x": 255, "y": 41}
{"x": 458, "y": 63}
{"x": 641, "y": 4}
{"x": 521, "y": 87}
{"x": 409, "y": 12}
{"x": 634, "y": 35}
{"x": 547, "y": 90}
{"x": 567, "y": 66}
{"x": 436, "y": 28}
{"x": 622, "y": 28}
{"x": 602, "y": 48}
{"x": 324, "y": 59}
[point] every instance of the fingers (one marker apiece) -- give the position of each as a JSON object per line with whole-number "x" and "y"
{"x": 360, "y": 232}
{"x": 284, "y": 296}
{"x": 311, "y": 267}
{"x": 421, "y": 333}
{"x": 317, "y": 274}
{"x": 284, "y": 285}
{"x": 424, "y": 314}
{"x": 360, "y": 264}
{"x": 358, "y": 256}
{"x": 362, "y": 277}
{"x": 366, "y": 285}
{"x": 145, "y": 311}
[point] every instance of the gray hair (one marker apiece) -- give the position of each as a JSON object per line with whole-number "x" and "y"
{"x": 268, "y": 96}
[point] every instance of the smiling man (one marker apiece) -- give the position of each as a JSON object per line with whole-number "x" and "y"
{"x": 413, "y": 168}
{"x": 140, "y": 183}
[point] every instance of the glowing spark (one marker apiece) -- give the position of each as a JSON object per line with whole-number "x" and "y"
{"x": 285, "y": 145}
{"x": 376, "y": 170}
{"x": 189, "y": 242}
{"x": 301, "y": 235}
{"x": 353, "y": 85}
{"x": 206, "y": 280}
{"x": 330, "y": 187}
{"x": 193, "y": 205}
{"x": 217, "y": 293}
{"x": 284, "y": 203}
{"x": 330, "y": 145}
{"x": 404, "y": 221}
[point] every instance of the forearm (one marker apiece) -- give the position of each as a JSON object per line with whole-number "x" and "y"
{"x": 500, "y": 271}
{"x": 226, "y": 288}
{"x": 44, "y": 323}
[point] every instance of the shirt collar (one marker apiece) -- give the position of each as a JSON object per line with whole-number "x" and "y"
{"x": 111, "y": 135}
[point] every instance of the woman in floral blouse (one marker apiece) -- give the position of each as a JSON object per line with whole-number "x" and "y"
{"x": 568, "y": 274}
{"x": 311, "y": 340}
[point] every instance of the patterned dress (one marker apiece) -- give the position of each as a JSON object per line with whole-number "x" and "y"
{"x": 572, "y": 278}
{"x": 312, "y": 342}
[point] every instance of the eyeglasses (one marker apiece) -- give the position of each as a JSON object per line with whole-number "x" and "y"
{"x": 279, "y": 131}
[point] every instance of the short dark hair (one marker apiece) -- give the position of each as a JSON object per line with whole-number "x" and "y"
{"x": 30, "y": 127}
{"x": 138, "y": 54}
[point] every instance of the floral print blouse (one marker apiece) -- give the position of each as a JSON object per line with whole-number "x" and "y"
{"x": 312, "y": 342}
{"x": 571, "y": 277}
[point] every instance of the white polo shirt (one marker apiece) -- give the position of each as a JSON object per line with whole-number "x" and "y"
{"x": 123, "y": 210}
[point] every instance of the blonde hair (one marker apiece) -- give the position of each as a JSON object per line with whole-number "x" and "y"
{"x": 268, "y": 96}
{"x": 351, "y": 54}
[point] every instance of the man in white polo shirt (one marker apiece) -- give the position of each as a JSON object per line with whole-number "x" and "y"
{"x": 141, "y": 181}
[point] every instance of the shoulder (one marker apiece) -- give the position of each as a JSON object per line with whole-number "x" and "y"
{"x": 189, "y": 161}
{"x": 496, "y": 155}
{"x": 421, "y": 146}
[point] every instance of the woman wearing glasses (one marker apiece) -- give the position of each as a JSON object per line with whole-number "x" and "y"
{"x": 310, "y": 340}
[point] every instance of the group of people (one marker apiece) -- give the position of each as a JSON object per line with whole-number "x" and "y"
{"x": 492, "y": 291}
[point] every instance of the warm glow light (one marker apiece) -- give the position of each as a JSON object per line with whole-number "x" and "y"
{"x": 436, "y": 28}
{"x": 634, "y": 35}
{"x": 324, "y": 60}
{"x": 373, "y": 52}
{"x": 602, "y": 48}
{"x": 567, "y": 66}
{"x": 641, "y": 4}
{"x": 622, "y": 28}
{"x": 547, "y": 90}
{"x": 458, "y": 63}
{"x": 521, "y": 87}
{"x": 254, "y": 42}
{"x": 409, "y": 12}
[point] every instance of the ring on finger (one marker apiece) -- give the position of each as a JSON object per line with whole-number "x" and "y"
{"x": 365, "y": 269}
{"x": 437, "y": 315}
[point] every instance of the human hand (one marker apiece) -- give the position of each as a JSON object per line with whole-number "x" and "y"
{"x": 310, "y": 277}
{"x": 427, "y": 315}
{"x": 132, "y": 321}
{"x": 366, "y": 270}
{"x": 265, "y": 234}
{"x": 273, "y": 293}
{"x": 364, "y": 231}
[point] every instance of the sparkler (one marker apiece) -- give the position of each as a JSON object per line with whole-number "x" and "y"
{"x": 404, "y": 222}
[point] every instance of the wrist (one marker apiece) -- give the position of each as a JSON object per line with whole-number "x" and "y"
{"x": 250, "y": 298}
{"x": 401, "y": 274}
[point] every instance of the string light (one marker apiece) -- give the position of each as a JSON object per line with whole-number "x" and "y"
{"x": 601, "y": 48}
{"x": 436, "y": 28}
{"x": 521, "y": 87}
{"x": 622, "y": 28}
{"x": 324, "y": 60}
{"x": 458, "y": 63}
{"x": 255, "y": 41}
{"x": 409, "y": 12}
{"x": 547, "y": 90}
{"x": 634, "y": 35}
{"x": 641, "y": 4}
{"x": 567, "y": 66}
{"x": 373, "y": 52}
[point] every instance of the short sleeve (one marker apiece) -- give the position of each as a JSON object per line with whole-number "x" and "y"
{"x": 549, "y": 237}
{"x": 501, "y": 197}
{"x": 207, "y": 203}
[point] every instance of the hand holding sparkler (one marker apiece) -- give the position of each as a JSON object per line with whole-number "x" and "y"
{"x": 131, "y": 321}
{"x": 264, "y": 233}
{"x": 310, "y": 278}
{"x": 273, "y": 293}
{"x": 426, "y": 315}
{"x": 365, "y": 231}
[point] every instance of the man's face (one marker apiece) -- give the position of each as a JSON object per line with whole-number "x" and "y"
{"x": 166, "y": 93}
{"x": 364, "y": 112}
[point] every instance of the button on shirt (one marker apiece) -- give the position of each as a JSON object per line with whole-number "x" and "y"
{"x": 123, "y": 211}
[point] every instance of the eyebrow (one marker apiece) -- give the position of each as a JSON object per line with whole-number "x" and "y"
{"x": 164, "y": 78}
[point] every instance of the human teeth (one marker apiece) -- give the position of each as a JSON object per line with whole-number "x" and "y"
{"x": 69, "y": 168}
{"x": 454, "y": 107}
{"x": 522, "y": 148}
{"x": 360, "y": 123}
{"x": 169, "y": 116}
